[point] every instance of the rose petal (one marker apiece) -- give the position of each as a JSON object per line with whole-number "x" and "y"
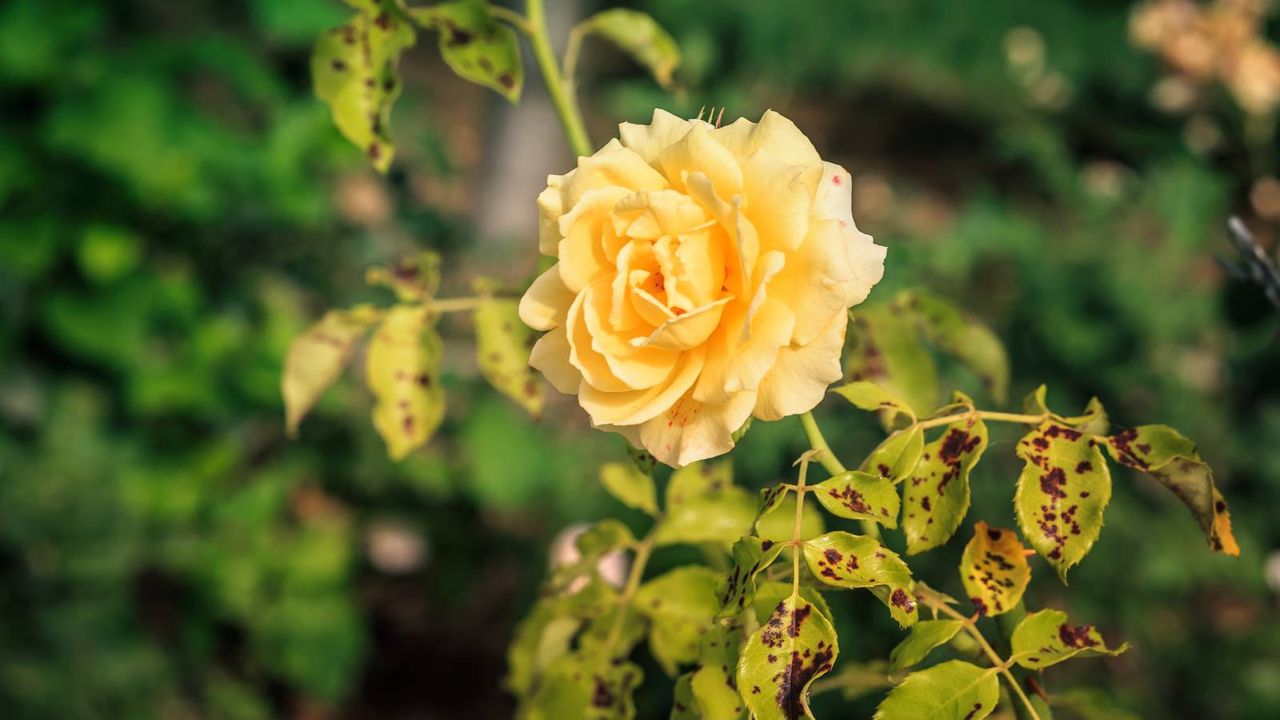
{"x": 550, "y": 356}
{"x": 632, "y": 407}
{"x": 690, "y": 431}
{"x": 546, "y": 303}
{"x": 799, "y": 377}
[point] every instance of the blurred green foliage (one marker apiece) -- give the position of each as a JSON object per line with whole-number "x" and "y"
{"x": 168, "y": 224}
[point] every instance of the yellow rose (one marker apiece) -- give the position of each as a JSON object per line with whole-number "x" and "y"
{"x": 704, "y": 276}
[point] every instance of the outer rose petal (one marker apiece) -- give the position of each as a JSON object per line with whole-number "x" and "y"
{"x": 801, "y": 375}
{"x": 774, "y": 133}
{"x": 612, "y": 166}
{"x": 550, "y": 356}
{"x": 648, "y": 141}
{"x": 633, "y": 407}
{"x": 690, "y": 431}
{"x": 550, "y": 208}
{"x": 546, "y": 303}
{"x": 834, "y": 268}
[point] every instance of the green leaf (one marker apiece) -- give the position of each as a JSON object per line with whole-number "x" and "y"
{"x": 953, "y": 690}
{"x": 860, "y": 496}
{"x": 704, "y": 506}
{"x": 750, "y": 556}
{"x": 1094, "y": 421}
{"x": 1171, "y": 458}
{"x": 541, "y": 637}
{"x": 413, "y": 279}
{"x": 612, "y": 634}
{"x": 795, "y": 646}
{"x": 857, "y": 561}
{"x": 1046, "y": 638}
{"x": 994, "y": 569}
{"x": 502, "y": 352}
{"x": 779, "y": 524}
{"x": 680, "y": 605}
{"x": 1062, "y": 492}
{"x": 402, "y": 370}
{"x": 580, "y": 686}
{"x": 771, "y": 592}
{"x": 603, "y": 537}
{"x": 925, "y": 636}
{"x": 638, "y": 35}
{"x": 683, "y": 705}
{"x": 969, "y": 341}
{"x": 859, "y": 679}
{"x": 354, "y": 71}
{"x": 897, "y": 456}
{"x": 885, "y": 349}
{"x": 866, "y": 395}
{"x": 630, "y": 486}
{"x": 316, "y": 358}
{"x": 715, "y": 693}
{"x": 935, "y": 497}
{"x": 477, "y": 47}
{"x": 770, "y": 499}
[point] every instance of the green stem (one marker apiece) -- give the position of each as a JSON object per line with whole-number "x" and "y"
{"x": 985, "y": 415}
{"x": 1006, "y": 622}
{"x": 558, "y": 88}
{"x": 831, "y": 463}
{"x": 643, "y": 550}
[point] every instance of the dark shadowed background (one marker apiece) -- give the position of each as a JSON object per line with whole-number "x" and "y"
{"x": 175, "y": 206}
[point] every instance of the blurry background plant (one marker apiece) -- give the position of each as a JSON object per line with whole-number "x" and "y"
{"x": 175, "y": 206}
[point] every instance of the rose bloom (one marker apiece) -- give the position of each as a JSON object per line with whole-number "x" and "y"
{"x": 704, "y": 276}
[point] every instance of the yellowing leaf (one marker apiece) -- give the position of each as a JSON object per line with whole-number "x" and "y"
{"x": 353, "y": 69}
{"x": 971, "y": 342}
{"x": 476, "y": 47}
{"x": 541, "y": 637}
{"x": 866, "y": 395}
{"x": 1062, "y": 491}
{"x": 935, "y": 497}
{"x": 1171, "y": 458}
{"x": 502, "y": 351}
{"x": 771, "y": 592}
{"x": 994, "y": 569}
{"x": 1046, "y": 638}
{"x": 896, "y": 456}
{"x": 925, "y": 636}
{"x": 640, "y": 36}
{"x": 679, "y": 605}
{"x": 884, "y": 348}
{"x": 698, "y": 480}
{"x": 860, "y": 496}
{"x": 402, "y": 370}
{"x": 750, "y": 556}
{"x": 704, "y": 506}
{"x": 857, "y": 561}
{"x": 794, "y": 647}
{"x": 414, "y": 279}
{"x": 950, "y": 690}
{"x": 715, "y": 694}
{"x": 316, "y": 358}
{"x": 779, "y": 525}
{"x": 630, "y": 486}
{"x": 579, "y": 685}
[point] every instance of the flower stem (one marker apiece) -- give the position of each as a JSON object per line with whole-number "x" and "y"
{"x": 1035, "y": 707}
{"x": 558, "y": 88}
{"x": 643, "y": 550}
{"x": 830, "y": 462}
{"x": 985, "y": 415}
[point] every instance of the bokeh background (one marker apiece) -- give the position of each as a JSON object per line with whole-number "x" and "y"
{"x": 175, "y": 206}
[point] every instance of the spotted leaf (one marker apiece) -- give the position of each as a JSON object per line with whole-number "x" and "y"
{"x": 638, "y": 35}
{"x": 953, "y": 690}
{"x": 779, "y": 524}
{"x": 866, "y": 395}
{"x": 579, "y": 685}
{"x": 475, "y": 46}
{"x": 858, "y": 495}
{"x": 1062, "y": 491}
{"x": 885, "y": 348}
{"x": 750, "y": 556}
{"x": 925, "y": 636}
{"x": 956, "y": 334}
{"x": 402, "y": 370}
{"x": 1094, "y": 421}
{"x": 354, "y": 71}
{"x": 994, "y": 569}
{"x": 771, "y": 592}
{"x": 897, "y": 456}
{"x": 680, "y": 605}
{"x": 316, "y": 358}
{"x": 1171, "y": 458}
{"x": 541, "y": 637}
{"x": 502, "y": 352}
{"x": 857, "y": 561}
{"x": 1046, "y": 638}
{"x": 795, "y": 646}
{"x": 413, "y": 279}
{"x": 935, "y": 497}
{"x": 630, "y": 486}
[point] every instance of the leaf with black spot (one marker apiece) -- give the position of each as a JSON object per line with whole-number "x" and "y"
{"x": 955, "y": 333}
{"x": 502, "y": 352}
{"x": 1171, "y": 458}
{"x": 415, "y": 278}
{"x": 579, "y": 685}
{"x": 935, "y": 498}
{"x": 771, "y": 592}
{"x": 897, "y": 456}
{"x": 794, "y": 647}
{"x": 925, "y": 636}
{"x": 402, "y": 370}
{"x": 544, "y": 635}
{"x": 638, "y": 35}
{"x": 751, "y": 555}
{"x": 866, "y": 395}
{"x": 354, "y": 70}
{"x": 858, "y": 495}
{"x": 1047, "y": 638}
{"x": 704, "y": 506}
{"x": 316, "y": 359}
{"x": 845, "y": 560}
{"x": 1062, "y": 492}
{"x": 994, "y": 569}
{"x": 951, "y": 690}
{"x": 885, "y": 348}
{"x": 475, "y": 45}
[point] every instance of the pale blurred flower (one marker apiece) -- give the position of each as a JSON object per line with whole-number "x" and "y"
{"x": 1173, "y": 94}
{"x": 394, "y": 548}
{"x": 1202, "y": 134}
{"x": 1265, "y": 197}
{"x": 1104, "y": 178}
{"x": 1253, "y": 76}
{"x": 362, "y": 199}
{"x": 612, "y": 568}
